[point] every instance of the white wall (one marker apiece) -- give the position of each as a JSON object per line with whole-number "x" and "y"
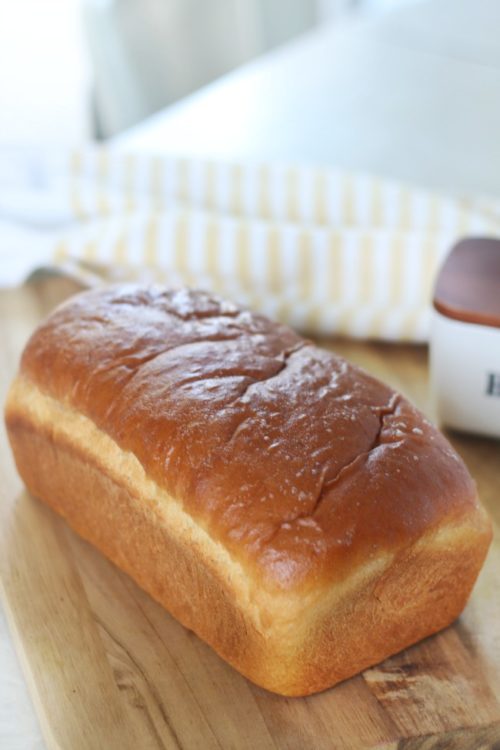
{"x": 44, "y": 72}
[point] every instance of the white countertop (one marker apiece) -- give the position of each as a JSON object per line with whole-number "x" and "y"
{"x": 413, "y": 94}
{"x": 19, "y": 729}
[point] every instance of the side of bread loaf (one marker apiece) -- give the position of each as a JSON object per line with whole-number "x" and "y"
{"x": 141, "y": 416}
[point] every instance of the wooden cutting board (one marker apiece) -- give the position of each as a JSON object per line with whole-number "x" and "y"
{"x": 109, "y": 668}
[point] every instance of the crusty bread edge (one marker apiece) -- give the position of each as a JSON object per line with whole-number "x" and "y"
{"x": 291, "y": 643}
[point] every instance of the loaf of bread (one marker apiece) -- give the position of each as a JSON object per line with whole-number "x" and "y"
{"x": 298, "y": 515}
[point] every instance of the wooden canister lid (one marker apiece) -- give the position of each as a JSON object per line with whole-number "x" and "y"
{"x": 468, "y": 284}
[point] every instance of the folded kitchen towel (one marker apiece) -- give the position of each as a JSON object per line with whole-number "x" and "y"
{"x": 328, "y": 252}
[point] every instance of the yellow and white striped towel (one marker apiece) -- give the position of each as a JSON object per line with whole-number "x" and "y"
{"x": 327, "y": 251}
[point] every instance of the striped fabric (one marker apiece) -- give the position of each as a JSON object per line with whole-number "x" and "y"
{"x": 329, "y": 252}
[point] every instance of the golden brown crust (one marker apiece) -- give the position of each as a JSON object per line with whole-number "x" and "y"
{"x": 298, "y": 515}
{"x": 300, "y": 464}
{"x": 292, "y": 650}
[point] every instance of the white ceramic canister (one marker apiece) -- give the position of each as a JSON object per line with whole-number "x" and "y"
{"x": 465, "y": 338}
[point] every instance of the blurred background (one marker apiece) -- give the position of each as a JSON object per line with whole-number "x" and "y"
{"x": 126, "y": 59}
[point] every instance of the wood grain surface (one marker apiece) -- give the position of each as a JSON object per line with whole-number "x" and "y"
{"x": 108, "y": 668}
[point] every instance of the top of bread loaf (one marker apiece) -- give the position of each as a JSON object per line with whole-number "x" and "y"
{"x": 299, "y": 463}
